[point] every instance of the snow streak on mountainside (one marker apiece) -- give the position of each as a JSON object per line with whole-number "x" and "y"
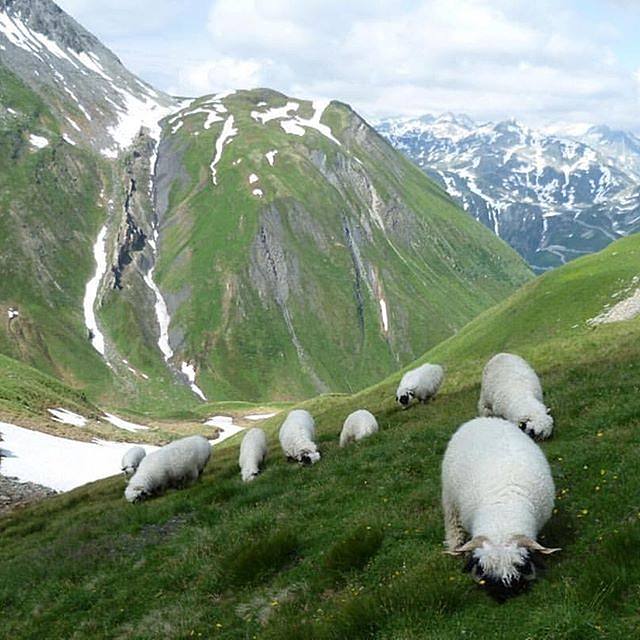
{"x": 99, "y": 102}
{"x": 552, "y": 197}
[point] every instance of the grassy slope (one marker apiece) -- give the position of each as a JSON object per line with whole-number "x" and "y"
{"x": 454, "y": 266}
{"x": 351, "y": 548}
{"x": 50, "y": 216}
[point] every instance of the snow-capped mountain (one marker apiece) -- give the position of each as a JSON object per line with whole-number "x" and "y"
{"x": 551, "y": 197}
{"x": 98, "y": 101}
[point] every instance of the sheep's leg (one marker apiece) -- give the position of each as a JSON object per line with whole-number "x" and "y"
{"x": 453, "y": 530}
{"x": 484, "y": 408}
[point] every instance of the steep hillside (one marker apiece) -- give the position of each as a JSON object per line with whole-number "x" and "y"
{"x": 243, "y": 245}
{"x": 307, "y": 256}
{"x": 352, "y": 547}
{"x": 551, "y": 196}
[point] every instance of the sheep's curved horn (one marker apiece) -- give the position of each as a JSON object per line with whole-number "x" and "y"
{"x": 528, "y": 543}
{"x": 474, "y": 543}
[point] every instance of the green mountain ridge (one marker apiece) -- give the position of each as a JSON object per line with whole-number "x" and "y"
{"x": 320, "y": 261}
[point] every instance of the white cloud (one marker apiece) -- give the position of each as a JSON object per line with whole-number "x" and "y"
{"x": 489, "y": 58}
{"x": 221, "y": 74}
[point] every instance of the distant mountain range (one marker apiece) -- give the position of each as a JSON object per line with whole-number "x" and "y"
{"x": 551, "y": 196}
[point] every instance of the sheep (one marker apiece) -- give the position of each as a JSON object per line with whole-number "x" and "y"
{"x": 497, "y": 488}
{"x": 131, "y": 460}
{"x": 297, "y": 435}
{"x": 358, "y": 425}
{"x": 511, "y": 390}
{"x": 176, "y": 464}
{"x": 253, "y": 451}
{"x": 421, "y": 383}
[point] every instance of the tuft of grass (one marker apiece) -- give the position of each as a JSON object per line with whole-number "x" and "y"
{"x": 253, "y": 562}
{"x": 354, "y": 550}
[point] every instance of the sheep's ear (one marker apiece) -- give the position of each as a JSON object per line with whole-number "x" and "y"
{"x": 522, "y": 424}
{"x": 528, "y": 543}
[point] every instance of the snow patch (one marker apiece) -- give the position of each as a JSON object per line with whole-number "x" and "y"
{"x": 383, "y": 314}
{"x": 190, "y": 371}
{"x": 225, "y": 137}
{"x": 65, "y": 416}
{"x": 38, "y": 141}
{"x": 226, "y": 426}
{"x": 275, "y": 112}
{"x": 91, "y": 292}
{"x": 123, "y": 424}
{"x": 162, "y": 315}
{"x": 271, "y": 156}
{"x": 59, "y": 463}
{"x": 258, "y": 193}
{"x": 68, "y": 140}
{"x": 253, "y": 178}
{"x": 260, "y": 416}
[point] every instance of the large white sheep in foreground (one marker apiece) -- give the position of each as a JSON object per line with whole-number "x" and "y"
{"x": 359, "y": 424}
{"x": 421, "y": 384}
{"x": 498, "y": 491}
{"x": 174, "y": 465}
{"x": 511, "y": 390}
{"x": 253, "y": 451}
{"x": 131, "y": 460}
{"x": 297, "y": 435}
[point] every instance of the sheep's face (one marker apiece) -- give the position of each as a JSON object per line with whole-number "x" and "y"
{"x": 309, "y": 457}
{"x": 404, "y": 397}
{"x": 136, "y": 493}
{"x": 538, "y": 425}
{"x": 504, "y": 570}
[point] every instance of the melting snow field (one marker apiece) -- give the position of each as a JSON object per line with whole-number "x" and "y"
{"x": 67, "y": 417}
{"x": 271, "y": 156}
{"x": 226, "y": 426}
{"x": 59, "y": 463}
{"x": 91, "y": 292}
{"x": 294, "y": 124}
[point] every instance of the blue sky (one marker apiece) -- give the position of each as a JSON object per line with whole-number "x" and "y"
{"x": 543, "y": 62}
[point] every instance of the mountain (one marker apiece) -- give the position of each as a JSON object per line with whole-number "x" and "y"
{"x": 352, "y": 547}
{"x": 160, "y": 251}
{"x": 552, "y": 197}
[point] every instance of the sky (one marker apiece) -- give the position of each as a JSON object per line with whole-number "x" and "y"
{"x": 544, "y": 62}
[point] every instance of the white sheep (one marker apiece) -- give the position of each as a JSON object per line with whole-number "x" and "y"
{"x": 176, "y": 464}
{"x": 131, "y": 460}
{"x": 297, "y": 435}
{"x": 498, "y": 491}
{"x": 511, "y": 390}
{"x": 421, "y": 383}
{"x": 253, "y": 451}
{"x": 359, "y": 424}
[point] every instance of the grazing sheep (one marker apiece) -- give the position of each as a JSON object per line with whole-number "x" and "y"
{"x": 421, "y": 383}
{"x": 174, "y": 465}
{"x": 297, "y": 435}
{"x": 131, "y": 460}
{"x": 253, "y": 451}
{"x": 359, "y": 424}
{"x": 497, "y": 489}
{"x": 511, "y": 390}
